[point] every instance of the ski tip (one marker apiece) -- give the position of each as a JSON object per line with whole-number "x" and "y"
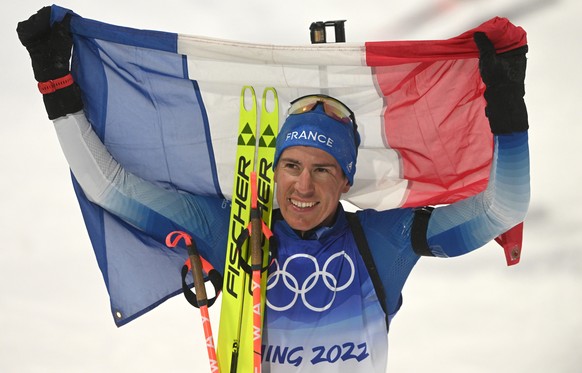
{"x": 248, "y": 102}
{"x": 247, "y": 88}
{"x": 271, "y": 90}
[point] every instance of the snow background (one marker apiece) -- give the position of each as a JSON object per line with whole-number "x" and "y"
{"x": 469, "y": 314}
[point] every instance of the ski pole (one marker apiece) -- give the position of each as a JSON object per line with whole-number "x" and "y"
{"x": 256, "y": 265}
{"x": 201, "y": 296}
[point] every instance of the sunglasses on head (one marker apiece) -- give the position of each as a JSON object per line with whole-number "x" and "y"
{"x": 332, "y": 107}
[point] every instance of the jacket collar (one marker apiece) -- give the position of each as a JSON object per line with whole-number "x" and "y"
{"x": 318, "y": 233}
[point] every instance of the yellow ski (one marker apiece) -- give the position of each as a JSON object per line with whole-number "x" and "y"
{"x": 235, "y": 338}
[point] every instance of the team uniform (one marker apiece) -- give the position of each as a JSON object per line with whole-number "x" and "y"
{"x": 322, "y": 311}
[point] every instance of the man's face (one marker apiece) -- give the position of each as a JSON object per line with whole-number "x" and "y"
{"x": 310, "y": 183}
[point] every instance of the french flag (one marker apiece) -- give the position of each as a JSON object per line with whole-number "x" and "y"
{"x": 166, "y": 106}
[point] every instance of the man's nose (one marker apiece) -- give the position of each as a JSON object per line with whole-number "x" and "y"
{"x": 304, "y": 183}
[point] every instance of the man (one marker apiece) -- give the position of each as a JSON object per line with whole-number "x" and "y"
{"x": 327, "y": 308}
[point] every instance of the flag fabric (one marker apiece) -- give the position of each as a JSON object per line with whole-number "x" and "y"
{"x": 166, "y": 107}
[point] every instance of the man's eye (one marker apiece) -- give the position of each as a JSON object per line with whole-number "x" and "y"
{"x": 322, "y": 169}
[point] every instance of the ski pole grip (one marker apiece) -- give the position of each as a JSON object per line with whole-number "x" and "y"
{"x": 196, "y": 265}
{"x": 256, "y": 250}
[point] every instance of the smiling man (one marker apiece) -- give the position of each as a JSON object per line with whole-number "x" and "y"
{"x": 336, "y": 279}
{"x": 309, "y": 185}
{"x": 315, "y": 160}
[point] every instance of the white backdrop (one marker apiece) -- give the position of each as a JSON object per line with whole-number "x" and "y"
{"x": 469, "y": 314}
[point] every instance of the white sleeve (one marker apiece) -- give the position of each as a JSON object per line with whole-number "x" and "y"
{"x": 137, "y": 201}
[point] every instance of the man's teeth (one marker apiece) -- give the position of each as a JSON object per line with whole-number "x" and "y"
{"x": 302, "y": 205}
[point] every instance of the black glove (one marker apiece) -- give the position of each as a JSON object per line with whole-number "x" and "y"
{"x": 50, "y": 52}
{"x": 503, "y": 75}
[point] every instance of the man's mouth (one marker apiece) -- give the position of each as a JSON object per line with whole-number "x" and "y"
{"x": 302, "y": 205}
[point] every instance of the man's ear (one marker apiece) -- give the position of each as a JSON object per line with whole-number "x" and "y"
{"x": 347, "y": 186}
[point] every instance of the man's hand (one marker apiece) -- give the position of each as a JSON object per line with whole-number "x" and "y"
{"x": 50, "y": 52}
{"x": 49, "y": 48}
{"x": 504, "y": 76}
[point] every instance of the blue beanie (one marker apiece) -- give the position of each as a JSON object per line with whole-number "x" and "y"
{"x": 316, "y": 129}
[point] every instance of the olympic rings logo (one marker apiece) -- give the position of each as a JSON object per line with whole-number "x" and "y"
{"x": 281, "y": 275}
